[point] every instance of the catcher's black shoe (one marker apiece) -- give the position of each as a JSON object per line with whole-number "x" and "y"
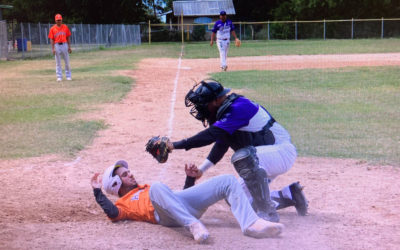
{"x": 299, "y": 199}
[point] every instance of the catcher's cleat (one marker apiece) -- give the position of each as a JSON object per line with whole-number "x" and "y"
{"x": 199, "y": 232}
{"x": 300, "y": 201}
{"x": 264, "y": 229}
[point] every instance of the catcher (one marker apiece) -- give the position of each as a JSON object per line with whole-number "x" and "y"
{"x": 263, "y": 149}
{"x": 158, "y": 204}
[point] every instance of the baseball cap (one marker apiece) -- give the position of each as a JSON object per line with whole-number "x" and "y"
{"x": 58, "y": 17}
{"x": 222, "y": 13}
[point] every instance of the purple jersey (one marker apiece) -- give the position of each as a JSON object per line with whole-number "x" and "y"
{"x": 223, "y": 29}
{"x": 244, "y": 115}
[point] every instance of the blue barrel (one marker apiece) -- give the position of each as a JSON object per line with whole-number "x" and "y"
{"x": 21, "y": 44}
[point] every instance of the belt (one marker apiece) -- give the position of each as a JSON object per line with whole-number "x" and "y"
{"x": 224, "y": 39}
{"x": 60, "y": 43}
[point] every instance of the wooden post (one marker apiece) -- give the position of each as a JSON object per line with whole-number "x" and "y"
{"x": 183, "y": 38}
{"x": 149, "y": 32}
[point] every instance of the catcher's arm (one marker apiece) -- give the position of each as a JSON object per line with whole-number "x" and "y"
{"x": 203, "y": 138}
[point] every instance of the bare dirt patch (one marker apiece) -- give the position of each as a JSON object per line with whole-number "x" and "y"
{"x": 47, "y": 202}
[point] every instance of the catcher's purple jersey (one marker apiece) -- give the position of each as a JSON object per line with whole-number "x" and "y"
{"x": 243, "y": 115}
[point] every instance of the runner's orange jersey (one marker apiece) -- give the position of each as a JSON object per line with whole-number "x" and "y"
{"x": 59, "y": 34}
{"x": 136, "y": 205}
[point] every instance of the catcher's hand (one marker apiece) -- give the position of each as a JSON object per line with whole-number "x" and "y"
{"x": 237, "y": 42}
{"x": 158, "y": 148}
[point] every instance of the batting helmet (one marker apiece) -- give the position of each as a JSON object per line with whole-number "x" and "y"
{"x": 111, "y": 182}
{"x": 200, "y": 95}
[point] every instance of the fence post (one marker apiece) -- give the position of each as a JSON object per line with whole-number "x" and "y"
{"x": 89, "y": 36}
{"x": 74, "y": 34}
{"x": 324, "y": 29}
{"x": 295, "y": 30}
{"x": 149, "y": 32}
{"x": 183, "y": 40}
{"x": 30, "y": 38}
{"x": 352, "y": 28}
{"x": 48, "y": 39}
{"x": 382, "y": 29}
{"x": 268, "y": 30}
{"x": 81, "y": 36}
{"x": 101, "y": 35}
{"x": 97, "y": 36}
{"x": 40, "y": 38}
{"x": 240, "y": 30}
{"x": 22, "y": 40}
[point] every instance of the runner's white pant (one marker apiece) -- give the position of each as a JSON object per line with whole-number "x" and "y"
{"x": 182, "y": 208}
{"x": 223, "y": 47}
{"x": 62, "y": 50}
{"x": 276, "y": 159}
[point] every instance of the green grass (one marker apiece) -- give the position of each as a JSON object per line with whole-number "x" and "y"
{"x": 291, "y": 47}
{"x": 346, "y": 113}
{"x": 39, "y": 116}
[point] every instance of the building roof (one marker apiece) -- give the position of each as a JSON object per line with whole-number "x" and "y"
{"x": 203, "y": 7}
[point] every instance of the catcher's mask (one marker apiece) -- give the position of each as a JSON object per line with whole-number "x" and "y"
{"x": 112, "y": 182}
{"x": 200, "y": 95}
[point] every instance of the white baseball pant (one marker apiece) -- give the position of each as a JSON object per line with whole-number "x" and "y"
{"x": 223, "y": 47}
{"x": 62, "y": 50}
{"x": 276, "y": 159}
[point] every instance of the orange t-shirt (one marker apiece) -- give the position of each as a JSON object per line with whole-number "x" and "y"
{"x": 59, "y": 34}
{"x": 136, "y": 205}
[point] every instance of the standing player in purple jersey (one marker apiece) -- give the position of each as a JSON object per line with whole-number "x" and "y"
{"x": 223, "y": 29}
{"x": 263, "y": 148}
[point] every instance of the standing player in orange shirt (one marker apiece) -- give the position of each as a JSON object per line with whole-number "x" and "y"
{"x": 61, "y": 45}
{"x": 158, "y": 204}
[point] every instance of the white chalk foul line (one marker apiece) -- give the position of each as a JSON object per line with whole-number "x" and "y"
{"x": 161, "y": 174}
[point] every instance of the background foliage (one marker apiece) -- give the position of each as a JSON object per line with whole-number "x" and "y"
{"x": 134, "y": 11}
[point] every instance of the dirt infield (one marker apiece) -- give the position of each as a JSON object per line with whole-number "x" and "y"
{"x": 47, "y": 202}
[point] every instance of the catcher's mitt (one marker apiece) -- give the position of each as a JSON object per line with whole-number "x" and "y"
{"x": 237, "y": 42}
{"x": 158, "y": 148}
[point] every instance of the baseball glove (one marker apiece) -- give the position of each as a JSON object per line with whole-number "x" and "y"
{"x": 237, "y": 42}
{"x": 158, "y": 148}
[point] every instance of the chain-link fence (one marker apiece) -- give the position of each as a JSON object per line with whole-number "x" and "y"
{"x": 28, "y": 40}
{"x": 273, "y": 30}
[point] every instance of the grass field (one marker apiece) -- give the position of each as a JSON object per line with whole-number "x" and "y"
{"x": 337, "y": 113}
{"x": 39, "y": 116}
{"x": 345, "y": 113}
{"x": 291, "y": 47}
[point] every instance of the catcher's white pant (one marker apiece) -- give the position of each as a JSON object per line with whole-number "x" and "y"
{"x": 62, "y": 50}
{"x": 182, "y": 208}
{"x": 223, "y": 47}
{"x": 276, "y": 159}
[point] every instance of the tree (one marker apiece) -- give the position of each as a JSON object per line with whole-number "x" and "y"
{"x": 77, "y": 11}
